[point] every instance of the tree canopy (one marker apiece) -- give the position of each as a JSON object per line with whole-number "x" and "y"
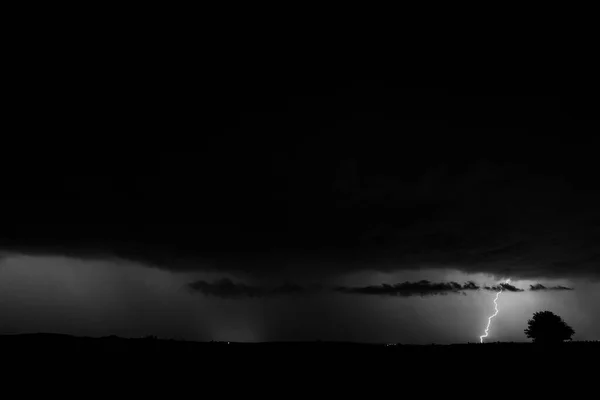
{"x": 547, "y": 327}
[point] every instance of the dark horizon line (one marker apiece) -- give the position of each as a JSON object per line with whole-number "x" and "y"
{"x": 282, "y": 342}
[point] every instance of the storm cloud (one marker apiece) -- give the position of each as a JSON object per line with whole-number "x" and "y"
{"x": 504, "y": 286}
{"x": 396, "y": 179}
{"x": 539, "y": 286}
{"x": 406, "y": 289}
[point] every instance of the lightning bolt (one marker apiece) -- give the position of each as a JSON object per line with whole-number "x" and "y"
{"x": 493, "y": 315}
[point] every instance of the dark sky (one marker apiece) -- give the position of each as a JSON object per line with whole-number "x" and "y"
{"x": 235, "y": 207}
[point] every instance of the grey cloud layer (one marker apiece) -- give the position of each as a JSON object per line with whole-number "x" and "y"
{"x": 539, "y": 286}
{"x": 226, "y": 288}
{"x": 427, "y": 288}
{"x": 405, "y": 289}
{"x": 504, "y": 286}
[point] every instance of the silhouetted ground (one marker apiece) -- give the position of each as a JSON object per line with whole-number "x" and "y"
{"x": 293, "y": 370}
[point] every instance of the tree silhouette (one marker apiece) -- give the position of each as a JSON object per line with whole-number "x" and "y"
{"x": 547, "y": 327}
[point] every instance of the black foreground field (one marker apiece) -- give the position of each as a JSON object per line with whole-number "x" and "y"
{"x": 294, "y": 370}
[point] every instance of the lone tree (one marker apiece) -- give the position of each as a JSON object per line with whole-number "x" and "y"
{"x": 547, "y": 327}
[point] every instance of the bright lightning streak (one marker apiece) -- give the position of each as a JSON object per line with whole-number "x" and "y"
{"x": 493, "y": 315}
{"x": 490, "y": 318}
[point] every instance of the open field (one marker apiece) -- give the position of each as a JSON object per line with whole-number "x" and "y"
{"x": 271, "y": 367}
